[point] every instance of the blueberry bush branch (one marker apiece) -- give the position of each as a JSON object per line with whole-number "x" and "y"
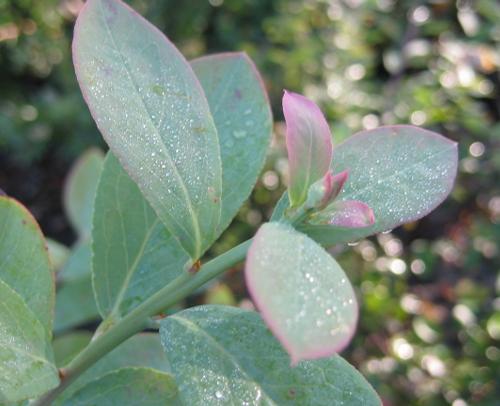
{"x": 187, "y": 143}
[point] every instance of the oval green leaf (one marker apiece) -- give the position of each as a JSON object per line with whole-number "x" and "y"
{"x": 79, "y": 190}
{"x": 240, "y": 108}
{"x": 26, "y": 367}
{"x": 152, "y": 111}
{"x": 401, "y": 172}
{"x": 126, "y": 228}
{"x": 134, "y": 254}
{"x": 224, "y": 355}
{"x": 314, "y": 313}
{"x": 128, "y": 387}
{"x": 24, "y": 260}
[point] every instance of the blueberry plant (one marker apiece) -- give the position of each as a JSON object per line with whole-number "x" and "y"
{"x": 187, "y": 142}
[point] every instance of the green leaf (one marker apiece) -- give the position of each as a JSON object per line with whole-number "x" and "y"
{"x": 240, "y": 108}
{"x": 26, "y": 369}
{"x": 78, "y": 265}
{"x": 126, "y": 228}
{"x": 152, "y": 111}
{"x": 401, "y": 172}
{"x": 67, "y": 346}
{"x": 143, "y": 350}
{"x": 24, "y": 261}
{"x": 225, "y": 355}
{"x": 79, "y": 190}
{"x": 128, "y": 386}
{"x": 75, "y": 302}
{"x": 134, "y": 254}
{"x": 315, "y": 313}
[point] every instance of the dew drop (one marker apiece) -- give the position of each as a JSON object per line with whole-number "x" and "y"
{"x": 218, "y": 394}
{"x": 239, "y": 134}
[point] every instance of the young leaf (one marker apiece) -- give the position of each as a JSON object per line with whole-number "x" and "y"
{"x": 152, "y": 111}
{"x": 309, "y": 145}
{"x": 225, "y": 355}
{"x": 26, "y": 367}
{"x": 240, "y": 108}
{"x": 24, "y": 261}
{"x": 79, "y": 190}
{"x": 345, "y": 213}
{"x": 142, "y": 350}
{"x": 325, "y": 190}
{"x": 134, "y": 254}
{"x": 315, "y": 313}
{"x": 128, "y": 387}
{"x": 401, "y": 172}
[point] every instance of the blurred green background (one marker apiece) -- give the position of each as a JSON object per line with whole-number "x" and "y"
{"x": 430, "y": 308}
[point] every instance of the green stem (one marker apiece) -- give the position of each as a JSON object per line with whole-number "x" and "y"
{"x": 137, "y": 319}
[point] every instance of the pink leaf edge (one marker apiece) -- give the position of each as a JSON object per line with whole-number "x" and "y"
{"x": 308, "y": 141}
{"x": 295, "y": 356}
{"x": 352, "y": 214}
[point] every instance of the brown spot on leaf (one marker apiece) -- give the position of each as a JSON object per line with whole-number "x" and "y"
{"x": 196, "y": 267}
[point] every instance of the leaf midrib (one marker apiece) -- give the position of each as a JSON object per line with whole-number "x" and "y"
{"x": 371, "y": 185}
{"x": 194, "y": 219}
{"x": 194, "y": 327}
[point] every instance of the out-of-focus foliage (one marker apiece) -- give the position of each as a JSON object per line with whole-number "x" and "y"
{"x": 429, "y": 331}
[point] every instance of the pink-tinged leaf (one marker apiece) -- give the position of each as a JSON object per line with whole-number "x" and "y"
{"x": 303, "y": 294}
{"x": 338, "y": 182}
{"x": 346, "y": 213}
{"x": 325, "y": 190}
{"x": 402, "y": 172}
{"x": 309, "y": 144}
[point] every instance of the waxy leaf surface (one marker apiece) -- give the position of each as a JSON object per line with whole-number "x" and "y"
{"x": 152, "y": 111}
{"x": 142, "y": 350}
{"x": 224, "y": 355}
{"x": 26, "y": 367}
{"x": 24, "y": 260}
{"x": 79, "y": 190}
{"x": 303, "y": 294}
{"x": 308, "y": 142}
{"x": 134, "y": 254}
{"x": 240, "y": 108}
{"x": 401, "y": 172}
{"x": 128, "y": 387}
